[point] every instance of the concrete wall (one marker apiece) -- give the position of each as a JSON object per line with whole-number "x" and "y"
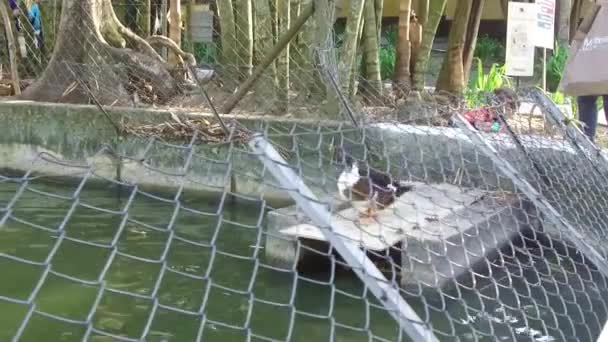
{"x": 77, "y": 134}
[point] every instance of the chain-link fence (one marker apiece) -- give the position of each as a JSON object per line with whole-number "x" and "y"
{"x": 355, "y": 217}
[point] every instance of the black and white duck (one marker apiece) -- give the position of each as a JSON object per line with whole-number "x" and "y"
{"x": 375, "y": 189}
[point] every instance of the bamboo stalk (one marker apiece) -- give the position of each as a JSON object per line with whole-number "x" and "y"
{"x": 349, "y": 46}
{"x": 144, "y": 20}
{"x": 283, "y": 11}
{"x": 163, "y": 25}
{"x": 175, "y": 29}
{"x": 269, "y": 59}
{"x": 189, "y": 35}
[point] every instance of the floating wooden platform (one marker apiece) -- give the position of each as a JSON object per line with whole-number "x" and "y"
{"x": 418, "y": 213}
{"x": 443, "y": 232}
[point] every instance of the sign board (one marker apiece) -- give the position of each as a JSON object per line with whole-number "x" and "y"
{"x": 202, "y": 24}
{"x": 521, "y": 22}
{"x": 544, "y": 35}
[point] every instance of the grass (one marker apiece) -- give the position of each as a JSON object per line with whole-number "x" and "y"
{"x": 483, "y": 83}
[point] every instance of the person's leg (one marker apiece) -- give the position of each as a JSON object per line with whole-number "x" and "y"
{"x": 587, "y": 114}
{"x": 41, "y": 43}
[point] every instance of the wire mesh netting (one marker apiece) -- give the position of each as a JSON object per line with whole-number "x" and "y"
{"x": 471, "y": 250}
{"x": 130, "y": 71}
{"x": 370, "y": 219}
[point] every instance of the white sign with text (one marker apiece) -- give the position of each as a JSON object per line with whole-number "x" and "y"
{"x": 544, "y": 35}
{"x": 521, "y": 22}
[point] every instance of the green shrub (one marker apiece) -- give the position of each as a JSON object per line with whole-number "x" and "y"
{"x": 555, "y": 67}
{"x": 391, "y": 35}
{"x": 483, "y": 83}
{"x": 387, "y": 62}
{"x": 205, "y": 53}
{"x": 388, "y": 53}
{"x": 489, "y": 50}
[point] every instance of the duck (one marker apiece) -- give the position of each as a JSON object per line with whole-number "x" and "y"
{"x": 376, "y": 189}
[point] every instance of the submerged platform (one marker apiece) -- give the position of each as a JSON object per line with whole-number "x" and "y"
{"x": 443, "y": 231}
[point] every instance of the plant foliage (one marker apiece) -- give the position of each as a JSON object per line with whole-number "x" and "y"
{"x": 483, "y": 83}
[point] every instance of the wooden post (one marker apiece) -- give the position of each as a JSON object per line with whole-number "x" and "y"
{"x": 544, "y": 69}
{"x": 269, "y": 59}
{"x": 12, "y": 47}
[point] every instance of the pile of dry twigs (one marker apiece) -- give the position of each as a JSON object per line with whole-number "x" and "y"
{"x": 196, "y": 130}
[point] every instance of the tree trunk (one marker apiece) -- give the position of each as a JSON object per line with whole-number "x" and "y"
{"x": 175, "y": 27}
{"x": 164, "y": 24}
{"x": 283, "y": 9}
{"x": 103, "y": 54}
{"x": 436, "y": 9}
{"x": 189, "y": 36}
{"x": 244, "y": 28}
{"x": 228, "y": 40}
{"x": 451, "y": 77}
{"x": 306, "y": 71}
{"x": 144, "y": 18}
{"x": 472, "y": 33}
{"x": 263, "y": 38}
{"x": 312, "y": 84}
{"x": 379, "y": 7}
{"x": 349, "y": 45}
{"x": 296, "y": 50}
{"x": 12, "y": 48}
{"x": 264, "y": 41}
{"x": 415, "y": 37}
{"x": 324, "y": 17}
{"x": 371, "y": 51}
{"x": 565, "y": 9}
{"x": 423, "y": 11}
{"x": 354, "y": 75}
{"x": 402, "y": 76}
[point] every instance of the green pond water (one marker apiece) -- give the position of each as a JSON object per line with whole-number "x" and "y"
{"x": 205, "y": 278}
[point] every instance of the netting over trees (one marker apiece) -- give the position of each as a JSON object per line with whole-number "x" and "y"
{"x": 214, "y": 227}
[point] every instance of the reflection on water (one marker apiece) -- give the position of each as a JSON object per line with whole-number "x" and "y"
{"x": 128, "y": 274}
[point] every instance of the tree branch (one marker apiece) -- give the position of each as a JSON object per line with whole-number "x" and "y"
{"x": 171, "y": 45}
{"x": 136, "y": 41}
